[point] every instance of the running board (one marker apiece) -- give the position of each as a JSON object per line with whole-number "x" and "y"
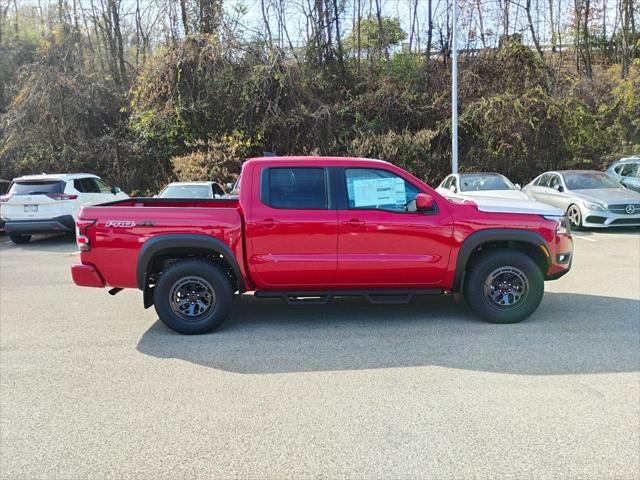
{"x": 376, "y": 297}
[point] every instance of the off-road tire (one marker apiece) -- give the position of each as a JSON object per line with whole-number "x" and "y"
{"x": 481, "y": 272}
{"x": 210, "y": 275}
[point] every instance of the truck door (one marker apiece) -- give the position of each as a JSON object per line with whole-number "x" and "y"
{"x": 381, "y": 243}
{"x": 292, "y": 230}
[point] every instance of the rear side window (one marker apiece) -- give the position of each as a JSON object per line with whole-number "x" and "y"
{"x": 36, "y": 188}
{"x": 294, "y": 188}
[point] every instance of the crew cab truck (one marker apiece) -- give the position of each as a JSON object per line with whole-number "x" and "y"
{"x": 308, "y": 229}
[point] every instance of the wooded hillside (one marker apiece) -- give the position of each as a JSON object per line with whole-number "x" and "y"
{"x": 146, "y": 91}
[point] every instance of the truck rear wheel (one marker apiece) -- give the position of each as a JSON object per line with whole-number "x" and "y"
{"x": 193, "y": 296}
{"x": 504, "y": 286}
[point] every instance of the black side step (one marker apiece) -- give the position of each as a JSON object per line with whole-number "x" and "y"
{"x": 376, "y": 297}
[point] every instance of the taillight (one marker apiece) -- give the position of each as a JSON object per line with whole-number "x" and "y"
{"x": 82, "y": 238}
{"x": 61, "y": 196}
{"x": 5, "y": 198}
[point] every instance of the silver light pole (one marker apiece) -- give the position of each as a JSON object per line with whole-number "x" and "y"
{"x": 454, "y": 90}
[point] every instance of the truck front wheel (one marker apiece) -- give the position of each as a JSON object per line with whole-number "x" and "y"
{"x": 504, "y": 286}
{"x": 193, "y": 296}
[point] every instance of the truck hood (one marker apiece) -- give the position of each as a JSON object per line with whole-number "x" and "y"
{"x": 514, "y": 205}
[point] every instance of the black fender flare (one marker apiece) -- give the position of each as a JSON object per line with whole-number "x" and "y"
{"x": 183, "y": 241}
{"x": 476, "y": 239}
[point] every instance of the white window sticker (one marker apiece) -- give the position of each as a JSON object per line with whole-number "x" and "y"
{"x": 373, "y": 192}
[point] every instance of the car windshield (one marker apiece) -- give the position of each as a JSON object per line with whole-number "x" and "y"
{"x": 36, "y": 187}
{"x": 186, "y": 191}
{"x": 476, "y": 183}
{"x": 588, "y": 181}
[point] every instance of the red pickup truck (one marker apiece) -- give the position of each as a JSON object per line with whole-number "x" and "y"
{"x": 308, "y": 229}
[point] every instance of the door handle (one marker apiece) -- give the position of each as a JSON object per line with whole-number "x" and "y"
{"x": 269, "y": 223}
{"x": 354, "y": 223}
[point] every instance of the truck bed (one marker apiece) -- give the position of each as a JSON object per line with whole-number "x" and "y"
{"x": 123, "y": 227}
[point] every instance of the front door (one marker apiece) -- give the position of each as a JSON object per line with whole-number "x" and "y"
{"x": 381, "y": 242}
{"x": 292, "y": 231}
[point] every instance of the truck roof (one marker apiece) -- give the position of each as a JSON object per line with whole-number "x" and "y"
{"x": 320, "y": 160}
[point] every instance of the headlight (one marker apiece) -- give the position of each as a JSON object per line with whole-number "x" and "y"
{"x": 562, "y": 224}
{"x": 594, "y": 206}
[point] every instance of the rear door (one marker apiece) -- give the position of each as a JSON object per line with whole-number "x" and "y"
{"x": 33, "y": 200}
{"x": 292, "y": 228}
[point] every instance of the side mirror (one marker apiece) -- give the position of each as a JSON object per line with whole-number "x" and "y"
{"x": 518, "y": 186}
{"x": 229, "y": 186}
{"x": 559, "y": 188}
{"x": 424, "y": 201}
{"x": 453, "y": 189}
{"x": 115, "y": 190}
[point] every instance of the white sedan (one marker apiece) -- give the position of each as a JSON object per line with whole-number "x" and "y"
{"x": 192, "y": 190}
{"x": 492, "y": 191}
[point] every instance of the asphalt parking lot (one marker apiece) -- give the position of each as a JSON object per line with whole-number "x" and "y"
{"x": 94, "y": 386}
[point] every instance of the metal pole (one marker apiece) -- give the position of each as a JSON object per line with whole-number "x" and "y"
{"x": 454, "y": 90}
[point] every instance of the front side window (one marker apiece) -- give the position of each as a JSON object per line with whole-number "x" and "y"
{"x": 371, "y": 188}
{"x": 554, "y": 182}
{"x": 630, "y": 170}
{"x": 543, "y": 180}
{"x": 295, "y": 188}
{"x": 103, "y": 187}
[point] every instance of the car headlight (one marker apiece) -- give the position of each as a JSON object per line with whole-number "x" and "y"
{"x": 562, "y": 224}
{"x": 594, "y": 206}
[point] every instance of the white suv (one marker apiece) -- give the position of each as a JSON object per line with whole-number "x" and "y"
{"x": 50, "y": 203}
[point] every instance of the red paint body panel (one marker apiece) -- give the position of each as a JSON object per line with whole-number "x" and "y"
{"x": 86, "y": 276}
{"x": 297, "y": 249}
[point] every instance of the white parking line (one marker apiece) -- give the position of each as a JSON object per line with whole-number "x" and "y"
{"x": 575, "y": 235}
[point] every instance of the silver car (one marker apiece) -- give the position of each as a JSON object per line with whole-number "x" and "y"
{"x": 590, "y": 198}
{"x": 627, "y": 172}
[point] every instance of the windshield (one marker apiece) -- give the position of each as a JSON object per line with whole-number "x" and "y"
{"x": 588, "y": 181}
{"x": 476, "y": 183}
{"x": 36, "y": 188}
{"x": 186, "y": 191}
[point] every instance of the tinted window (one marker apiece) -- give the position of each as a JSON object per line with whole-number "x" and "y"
{"x": 447, "y": 182}
{"x": 86, "y": 185}
{"x": 371, "y": 188}
{"x": 35, "y": 188}
{"x": 217, "y": 189}
{"x": 292, "y": 188}
{"x": 588, "y": 181}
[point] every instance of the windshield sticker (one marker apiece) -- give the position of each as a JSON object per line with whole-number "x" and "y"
{"x": 373, "y": 192}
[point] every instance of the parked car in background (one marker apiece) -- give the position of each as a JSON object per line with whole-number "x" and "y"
{"x": 192, "y": 190}
{"x": 482, "y": 184}
{"x": 491, "y": 190}
{"x": 590, "y": 198}
{"x": 50, "y": 203}
{"x": 627, "y": 172}
{"x": 4, "y": 186}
